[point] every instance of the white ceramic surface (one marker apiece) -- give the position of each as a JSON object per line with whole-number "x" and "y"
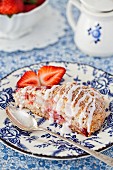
{"x": 99, "y": 5}
{"x": 93, "y": 30}
{"x": 42, "y": 35}
{"x": 42, "y": 144}
{"x": 22, "y": 23}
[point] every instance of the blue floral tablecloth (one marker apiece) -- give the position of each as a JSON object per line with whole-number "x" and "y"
{"x": 63, "y": 50}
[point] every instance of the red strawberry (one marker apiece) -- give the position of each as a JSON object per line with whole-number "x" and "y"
{"x": 10, "y": 7}
{"x": 31, "y": 4}
{"x": 29, "y": 78}
{"x": 47, "y": 76}
{"x": 30, "y": 1}
{"x": 39, "y": 2}
{"x": 50, "y": 75}
{"x": 29, "y": 7}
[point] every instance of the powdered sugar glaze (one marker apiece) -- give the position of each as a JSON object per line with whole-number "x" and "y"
{"x": 70, "y": 105}
{"x": 68, "y": 100}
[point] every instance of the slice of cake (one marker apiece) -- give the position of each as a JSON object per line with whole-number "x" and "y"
{"x": 81, "y": 108}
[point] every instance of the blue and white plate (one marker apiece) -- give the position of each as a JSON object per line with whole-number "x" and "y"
{"x": 44, "y": 145}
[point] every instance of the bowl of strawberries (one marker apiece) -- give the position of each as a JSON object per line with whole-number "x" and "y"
{"x": 19, "y": 17}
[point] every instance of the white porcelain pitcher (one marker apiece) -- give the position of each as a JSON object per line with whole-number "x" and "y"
{"x": 94, "y": 27}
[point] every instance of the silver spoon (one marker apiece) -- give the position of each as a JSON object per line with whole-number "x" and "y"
{"x": 24, "y": 121}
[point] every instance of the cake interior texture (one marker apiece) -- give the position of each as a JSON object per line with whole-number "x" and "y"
{"x": 77, "y": 107}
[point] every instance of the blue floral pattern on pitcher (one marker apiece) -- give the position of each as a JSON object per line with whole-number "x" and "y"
{"x": 95, "y": 33}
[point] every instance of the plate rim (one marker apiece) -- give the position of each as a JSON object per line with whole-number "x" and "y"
{"x": 54, "y": 62}
{"x": 50, "y": 157}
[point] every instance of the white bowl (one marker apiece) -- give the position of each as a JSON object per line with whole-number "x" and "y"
{"x": 22, "y": 23}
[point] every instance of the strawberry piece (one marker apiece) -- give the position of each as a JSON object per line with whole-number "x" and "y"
{"x": 84, "y": 132}
{"x": 29, "y": 78}
{"x": 10, "y": 7}
{"x": 29, "y": 7}
{"x": 30, "y": 1}
{"x": 31, "y": 4}
{"x": 58, "y": 118}
{"x": 46, "y": 76}
{"x": 39, "y": 2}
{"x": 50, "y": 75}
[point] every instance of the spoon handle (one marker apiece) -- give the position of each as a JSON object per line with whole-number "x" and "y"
{"x": 100, "y": 156}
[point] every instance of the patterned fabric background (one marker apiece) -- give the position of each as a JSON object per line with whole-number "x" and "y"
{"x": 64, "y": 50}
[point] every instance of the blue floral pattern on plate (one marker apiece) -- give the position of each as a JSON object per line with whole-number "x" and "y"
{"x": 42, "y": 144}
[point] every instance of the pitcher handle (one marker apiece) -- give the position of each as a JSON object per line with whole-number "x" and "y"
{"x": 69, "y": 13}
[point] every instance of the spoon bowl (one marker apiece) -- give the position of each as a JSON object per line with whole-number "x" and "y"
{"x": 21, "y": 118}
{"x": 25, "y": 121}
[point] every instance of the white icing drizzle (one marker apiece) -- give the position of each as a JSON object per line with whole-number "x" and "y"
{"x": 90, "y": 115}
{"x": 65, "y": 128}
{"x": 83, "y": 113}
{"x": 68, "y": 109}
{"x": 51, "y": 119}
{"x": 61, "y": 100}
{"x": 75, "y": 109}
{"x": 68, "y": 106}
{"x": 57, "y": 96}
{"x": 48, "y": 92}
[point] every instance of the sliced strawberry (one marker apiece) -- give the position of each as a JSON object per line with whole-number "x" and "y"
{"x": 50, "y": 75}
{"x": 29, "y": 78}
